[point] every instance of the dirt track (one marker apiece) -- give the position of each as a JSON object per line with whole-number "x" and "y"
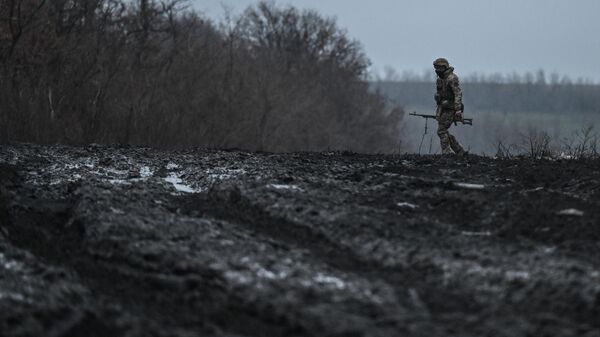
{"x": 104, "y": 241}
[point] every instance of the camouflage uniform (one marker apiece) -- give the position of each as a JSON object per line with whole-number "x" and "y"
{"x": 449, "y": 100}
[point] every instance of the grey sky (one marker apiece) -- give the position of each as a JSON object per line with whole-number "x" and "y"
{"x": 475, "y": 35}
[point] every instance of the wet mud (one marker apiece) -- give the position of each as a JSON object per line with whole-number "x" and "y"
{"x": 127, "y": 241}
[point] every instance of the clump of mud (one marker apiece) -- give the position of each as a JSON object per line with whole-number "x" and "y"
{"x": 122, "y": 241}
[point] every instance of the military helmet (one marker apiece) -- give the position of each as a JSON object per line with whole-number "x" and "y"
{"x": 441, "y": 62}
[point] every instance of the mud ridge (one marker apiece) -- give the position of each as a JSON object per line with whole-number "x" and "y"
{"x": 50, "y": 230}
{"x": 228, "y": 203}
{"x": 414, "y": 286}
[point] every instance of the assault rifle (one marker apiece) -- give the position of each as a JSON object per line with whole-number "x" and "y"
{"x": 464, "y": 121}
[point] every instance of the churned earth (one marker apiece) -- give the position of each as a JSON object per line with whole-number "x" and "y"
{"x": 126, "y": 241}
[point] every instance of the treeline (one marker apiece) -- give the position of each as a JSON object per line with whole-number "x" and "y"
{"x": 500, "y": 97}
{"x": 539, "y": 77}
{"x": 158, "y": 74}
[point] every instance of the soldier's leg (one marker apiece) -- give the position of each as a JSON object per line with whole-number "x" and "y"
{"x": 455, "y": 145}
{"x": 443, "y": 125}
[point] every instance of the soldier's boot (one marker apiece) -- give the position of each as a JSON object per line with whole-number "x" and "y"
{"x": 456, "y": 146}
{"x": 446, "y": 150}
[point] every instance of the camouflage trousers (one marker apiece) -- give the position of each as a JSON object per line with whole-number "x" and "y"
{"x": 447, "y": 141}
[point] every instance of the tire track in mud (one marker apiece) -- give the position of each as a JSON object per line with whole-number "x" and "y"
{"x": 148, "y": 301}
{"x": 418, "y": 286}
{"x": 414, "y": 285}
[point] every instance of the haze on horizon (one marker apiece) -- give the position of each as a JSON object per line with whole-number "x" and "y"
{"x": 476, "y": 36}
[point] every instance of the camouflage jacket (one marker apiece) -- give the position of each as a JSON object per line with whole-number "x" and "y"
{"x": 449, "y": 95}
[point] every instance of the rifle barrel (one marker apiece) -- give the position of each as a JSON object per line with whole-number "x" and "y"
{"x": 464, "y": 121}
{"x": 422, "y": 115}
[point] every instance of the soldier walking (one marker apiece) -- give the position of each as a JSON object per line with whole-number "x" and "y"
{"x": 449, "y": 105}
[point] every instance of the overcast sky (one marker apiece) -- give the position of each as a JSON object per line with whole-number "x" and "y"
{"x": 475, "y": 35}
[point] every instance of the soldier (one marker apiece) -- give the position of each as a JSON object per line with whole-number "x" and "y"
{"x": 449, "y": 105}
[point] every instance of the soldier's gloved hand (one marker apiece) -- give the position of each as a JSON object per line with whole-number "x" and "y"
{"x": 458, "y": 115}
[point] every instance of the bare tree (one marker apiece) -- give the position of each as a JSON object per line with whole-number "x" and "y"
{"x": 156, "y": 73}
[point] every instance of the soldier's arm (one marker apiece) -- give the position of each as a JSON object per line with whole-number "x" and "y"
{"x": 437, "y": 96}
{"x": 455, "y": 86}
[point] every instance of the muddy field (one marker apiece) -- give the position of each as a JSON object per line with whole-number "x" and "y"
{"x": 122, "y": 241}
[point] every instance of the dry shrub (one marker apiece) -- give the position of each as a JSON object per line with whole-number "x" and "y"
{"x": 583, "y": 144}
{"x": 537, "y": 144}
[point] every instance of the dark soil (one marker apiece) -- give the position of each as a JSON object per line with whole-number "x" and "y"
{"x": 124, "y": 241}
